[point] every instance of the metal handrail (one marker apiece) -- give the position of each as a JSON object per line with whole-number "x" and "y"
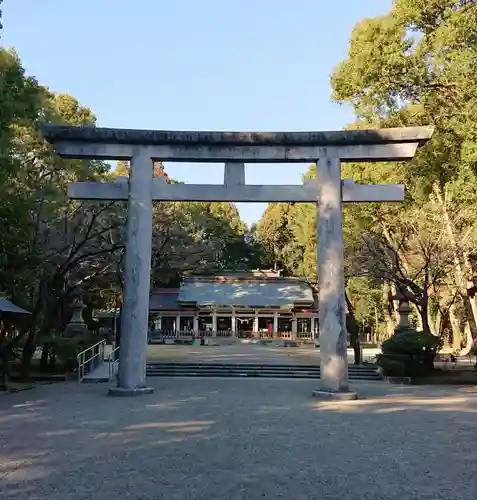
{"x": 91, "y": 362}
{"x": 112, "y": 362}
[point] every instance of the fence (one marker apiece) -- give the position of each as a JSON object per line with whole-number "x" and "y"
{"x": 187, "y": 334}
{"x": 113, "y": 362}
{"x": 159, "y": 335}
{"x": 88, "y": 359}
{"x": 370, "y": 338}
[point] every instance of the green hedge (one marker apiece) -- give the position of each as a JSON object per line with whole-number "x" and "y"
{"x": 64, "y": 351}
{"x": 409, "y": 353}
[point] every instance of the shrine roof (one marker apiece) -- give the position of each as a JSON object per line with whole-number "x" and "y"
{"x": 8, "y": 307}
{"x": 164, "y": 299}
{"x": 253, "y": 293}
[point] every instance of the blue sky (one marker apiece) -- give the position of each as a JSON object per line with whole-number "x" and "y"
{"x": 194, "y": 65}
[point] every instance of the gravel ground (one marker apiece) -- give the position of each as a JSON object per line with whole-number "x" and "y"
{"x": 243, "y": 353}
{"x": 233, "y": 439}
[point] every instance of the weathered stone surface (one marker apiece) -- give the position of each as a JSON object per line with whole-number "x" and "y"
{"x": 55, "y": 133}
{"x": 332, "y": 310}
{"x": 335, "y": 396}
{"x": 234, "y": 174}
{"x": 290, "y": 343}
{"x": 137, "y": 268}
{"x": 77, "y": 328}
{"x": 126, "y": 393}
{"x": 351, "y": 193}
{"x": 254, "y": 153}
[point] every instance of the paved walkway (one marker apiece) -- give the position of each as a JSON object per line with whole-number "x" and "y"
{"x": 242, "y": 353}
{"x": 103, "y": 373}
{"x": 238, "y": 439}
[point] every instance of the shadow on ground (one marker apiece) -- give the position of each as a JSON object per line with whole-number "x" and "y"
{"x": 238, "y": 439}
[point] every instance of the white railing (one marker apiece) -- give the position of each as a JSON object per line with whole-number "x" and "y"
{"x": 187, "y": 334}
{"x": 224, "y": 333}
{"x": 112, "y": 362}
{"x": 159, "y": 335}
{"x": 88, "y": 359}
{"x": 304, "y": 336}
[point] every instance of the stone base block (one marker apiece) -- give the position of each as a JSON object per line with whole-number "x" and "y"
{"x": 290, "y": 343}
{"x": 399, "y": 380}
{"x": 335, "y": 395}
{"x": 124, "y": 393}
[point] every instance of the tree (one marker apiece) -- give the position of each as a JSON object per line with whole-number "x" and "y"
{"x": 53, "y": 248}
{"x": 122, "y": 170}
{"x": 417, "y": 65}
{"x": 410, "y": 253}
{"x": 365, "y": 295}
{"x": 206, "y": 236}
{"x": 279, "y": 232}
{"x": 44, "y": 251}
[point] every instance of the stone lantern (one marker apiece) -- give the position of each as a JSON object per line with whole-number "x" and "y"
{"x": 77, "y": 328}
{"x": 404, "y": 308}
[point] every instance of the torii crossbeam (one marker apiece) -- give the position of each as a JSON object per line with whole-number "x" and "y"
{"x": 237, "y": 191}
{"x": 328, "y": 191}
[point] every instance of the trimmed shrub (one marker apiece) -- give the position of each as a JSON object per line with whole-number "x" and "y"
{"x": 409, "y": 353}
{"x": 62, "y": 351}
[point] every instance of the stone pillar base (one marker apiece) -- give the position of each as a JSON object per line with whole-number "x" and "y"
{"x": 123, "y": 392}
{"x": 325, "y": 395}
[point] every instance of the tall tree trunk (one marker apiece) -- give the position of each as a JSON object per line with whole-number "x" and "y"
{"x": 394, "y": 303}
{"x": 462, "y": 268}
{"x": 390, "y": 324}
{"x": 353, "y": 330}
{"x": 420, "y": 326}
{"x": 456, "y": 326}
{"x": 470, "y": 283}
{"x": 27, "y": 355}
{"x": 425, "y": 302}
{"x": 469, "y": 343}
{"x": 45, "y": 354}
{"x": 435, "y": 323}
{"x": 425, "y": 313}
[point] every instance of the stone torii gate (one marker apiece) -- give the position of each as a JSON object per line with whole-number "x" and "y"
{"x": 328, "y": 191}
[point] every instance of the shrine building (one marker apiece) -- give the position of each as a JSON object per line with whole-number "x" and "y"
{"x": 260, "y": 304}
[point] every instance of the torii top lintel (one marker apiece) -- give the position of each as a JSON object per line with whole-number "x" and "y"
{"x": 350, "y": 145}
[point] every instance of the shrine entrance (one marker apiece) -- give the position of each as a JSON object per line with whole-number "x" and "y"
{"x": 328, "y": 191}
{"x": 245, "y": 327}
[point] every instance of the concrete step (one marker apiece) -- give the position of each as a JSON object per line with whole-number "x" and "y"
{"x": 213, "y": 367}
{"x": 238, "y": 374}
{"x": 251, "y": 370}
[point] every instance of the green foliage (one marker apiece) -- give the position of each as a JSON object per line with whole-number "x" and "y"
{"x": 51, "y": 247}
{"x": 392, "y": 366}
{"x": 287, "y": 234}
{"x": 409, "y": 353}
{"x": 62, "y": 351}
{"x": 417, "y": 65}
{"x": 473, "y": 351}
{"x": 366, "y": 296}
{"x": 408, "y": 341}
{"x": 198, "y": 238}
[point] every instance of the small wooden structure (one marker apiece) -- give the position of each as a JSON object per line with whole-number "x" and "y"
{"x": 8, "y": 314}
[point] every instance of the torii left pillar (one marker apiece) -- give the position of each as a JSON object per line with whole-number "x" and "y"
{"x": 137, "y": 270}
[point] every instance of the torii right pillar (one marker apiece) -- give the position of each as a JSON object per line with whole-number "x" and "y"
{"x": 331, "y": 282}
